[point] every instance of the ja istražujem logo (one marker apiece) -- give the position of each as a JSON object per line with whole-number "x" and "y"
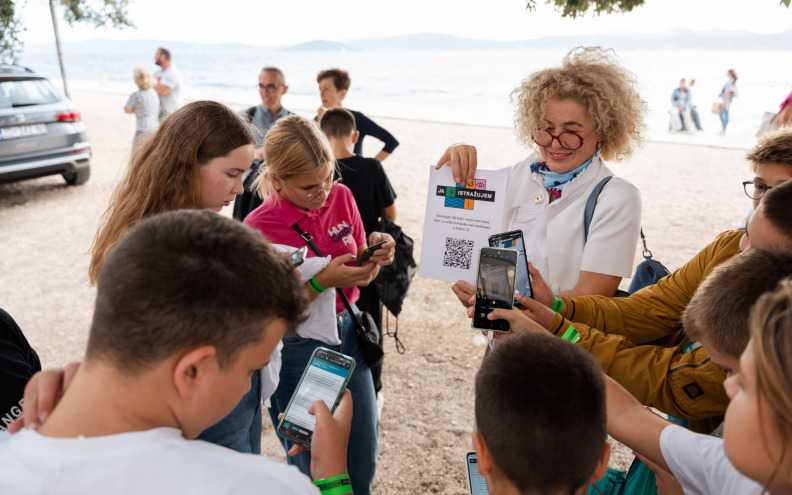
{"x": 465, "y": 197}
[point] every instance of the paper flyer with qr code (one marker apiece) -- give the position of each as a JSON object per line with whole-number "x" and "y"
{"x": 458, "y": 221}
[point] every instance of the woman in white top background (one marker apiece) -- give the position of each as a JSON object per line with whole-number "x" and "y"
{"x": 573, "y": 117}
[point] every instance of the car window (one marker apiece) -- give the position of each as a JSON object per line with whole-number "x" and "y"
{"x": 26, "y": 92}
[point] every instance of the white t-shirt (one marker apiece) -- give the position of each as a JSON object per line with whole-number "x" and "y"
{"x": 145, "y": 103}
{"x": 320, "y": 324}
{"x": 172, "y": 78}
{"x": 700, "y": 464}
{"x": 147, "y": 462}
{"x": 553, "y": 232}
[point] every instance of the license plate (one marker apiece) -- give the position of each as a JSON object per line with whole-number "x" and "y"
{"x": 22, "y": 131}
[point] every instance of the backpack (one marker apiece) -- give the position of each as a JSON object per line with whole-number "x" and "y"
{"x": 394, "y": 280}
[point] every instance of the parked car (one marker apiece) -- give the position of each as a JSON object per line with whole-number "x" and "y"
{"x": 41, "y": 132}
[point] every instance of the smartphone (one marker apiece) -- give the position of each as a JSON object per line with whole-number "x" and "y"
{"x": 325, "y": 378}
{"x": 514, "y": 240}
{"x": 298, "y": 257}
{"x": 368, "y": 252}
{"x": 497, "y": 271}
{"x": 477, "y": 484}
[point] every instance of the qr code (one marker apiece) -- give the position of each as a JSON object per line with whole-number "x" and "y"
{"x": 458, "y": 253}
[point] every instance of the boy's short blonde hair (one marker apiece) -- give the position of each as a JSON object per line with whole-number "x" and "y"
{"x": 143, "y": 79}
{"x": 774, "y": 148}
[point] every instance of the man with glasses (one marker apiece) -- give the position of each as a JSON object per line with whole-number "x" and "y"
{"x": 271, "y": 86}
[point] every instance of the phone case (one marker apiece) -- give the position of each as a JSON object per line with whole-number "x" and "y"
{"x": 290, "y": 438}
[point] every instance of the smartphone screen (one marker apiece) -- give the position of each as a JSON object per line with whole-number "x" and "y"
{"x": 298, "y": 257}
{"x": 476, "y": 482}
{"x": 494, "y": 286}
{"x": 514, "y": 240}
{"x": 324, "y": 379}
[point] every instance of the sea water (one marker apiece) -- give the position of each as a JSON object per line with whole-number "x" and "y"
{"x": 463, "y": 86}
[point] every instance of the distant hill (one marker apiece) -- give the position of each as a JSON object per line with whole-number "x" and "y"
{"x": 672, "y": 40}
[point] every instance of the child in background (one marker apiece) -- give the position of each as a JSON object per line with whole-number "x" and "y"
{"x": 144, "y": 103}
{"x": 373, "y": 194}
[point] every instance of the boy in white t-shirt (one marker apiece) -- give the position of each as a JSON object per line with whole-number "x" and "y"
{"x": 718, "y": 318}
{"x": 189, "y": 304}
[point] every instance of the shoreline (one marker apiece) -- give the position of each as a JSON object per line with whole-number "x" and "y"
{"x": 739, "y": 144}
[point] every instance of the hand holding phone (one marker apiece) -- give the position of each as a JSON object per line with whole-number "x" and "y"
{"x": 368, "y": 252}
{"x": 325, "y": 379}
{"x": 297, "y": 258}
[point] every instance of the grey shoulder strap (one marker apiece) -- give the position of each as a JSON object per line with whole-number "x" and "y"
{"x": 590, "y": 205}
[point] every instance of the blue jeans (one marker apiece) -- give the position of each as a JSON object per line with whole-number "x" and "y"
{"x": 724, "y": 116}
{"x": 241, "y": 429}
{"x": 363, "y": 444}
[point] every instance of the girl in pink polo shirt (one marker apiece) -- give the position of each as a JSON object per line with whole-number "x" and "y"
{"x": 299, "y": 190}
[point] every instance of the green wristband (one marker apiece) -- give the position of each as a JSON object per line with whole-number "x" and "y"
{"x": 557, "y": 304}
{"x": 314, "y": 285}
{"x": 571, "y": 335}
{"x": 337, "y": 485}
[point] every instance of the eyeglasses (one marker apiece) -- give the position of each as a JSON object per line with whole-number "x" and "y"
{"x": 325, "y": 188}
{"x": 755, "y": 189}
{"x": 568, "y": 140}
{"x": 270, "y": 88}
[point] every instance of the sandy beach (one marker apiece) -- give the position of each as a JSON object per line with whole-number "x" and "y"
{"x": 690, "y": 194}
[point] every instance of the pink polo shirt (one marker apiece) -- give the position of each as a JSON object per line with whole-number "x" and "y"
{"x": 336, "y": 228}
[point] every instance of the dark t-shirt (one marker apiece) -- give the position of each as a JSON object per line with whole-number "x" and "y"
{"x": 367, "y": 127}
{"x": 370, "y": 186}
{"x": 18, "y": 362}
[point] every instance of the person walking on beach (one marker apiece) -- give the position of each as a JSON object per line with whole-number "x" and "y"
{"x": 727, "y": 94}
{"x": 693, "y": 112}
{"x": 144, "y": 103}
{"x": 333, "y": 86}
{"x": 680, "y": 112}
{"x": 169, "y": 83}
{"x": 272, "y": 86}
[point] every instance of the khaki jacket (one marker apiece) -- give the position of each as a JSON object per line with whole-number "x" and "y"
{"x": 686, "y": 385}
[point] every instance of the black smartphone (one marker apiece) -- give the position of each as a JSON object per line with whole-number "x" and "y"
{"x": 368, "y": 252}
{"x": 298, "y": 257}
{"x": 514, "y": 240}
{"x": 494, "y": 286}
{"x": 477, "y": 484}
{"x": 325, "y": 378}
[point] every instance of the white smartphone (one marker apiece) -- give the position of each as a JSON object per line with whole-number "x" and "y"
{"x": 477, "y": 484}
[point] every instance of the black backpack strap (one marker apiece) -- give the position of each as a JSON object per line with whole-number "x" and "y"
{"x": 588, "y": 214}
{"x": 309, "y": 240}
{"x": 250, "y": 112}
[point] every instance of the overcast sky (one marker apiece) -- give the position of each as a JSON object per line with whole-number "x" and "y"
{"x": 286, "y": 22}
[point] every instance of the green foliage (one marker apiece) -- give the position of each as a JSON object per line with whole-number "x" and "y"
{"x": 10, "y": 27}
{"x": 98, "y": 12}
{"x": 575, "y": 8}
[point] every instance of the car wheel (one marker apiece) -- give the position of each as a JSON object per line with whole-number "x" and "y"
{"x": 79, "y": 177}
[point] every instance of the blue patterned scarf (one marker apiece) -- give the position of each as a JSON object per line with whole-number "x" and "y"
{"x": 554, "y": 182}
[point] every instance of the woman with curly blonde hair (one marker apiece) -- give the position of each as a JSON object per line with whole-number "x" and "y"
{"x": 575, "y": 116}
